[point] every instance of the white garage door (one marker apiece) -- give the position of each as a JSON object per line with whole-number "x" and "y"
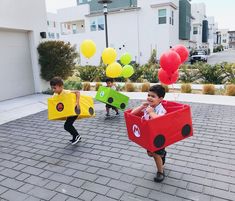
{"x": 16, "y": 76}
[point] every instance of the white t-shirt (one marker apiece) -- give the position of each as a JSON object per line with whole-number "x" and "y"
{"x": 159, "y": 110}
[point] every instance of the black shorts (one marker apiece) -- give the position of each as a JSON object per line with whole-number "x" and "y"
{"x": 110, "y": 106}
{"x": 160, "y": 152}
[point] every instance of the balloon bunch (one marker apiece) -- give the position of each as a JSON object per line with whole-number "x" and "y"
{"x": 109, "y": 56}
{"x": 170, "y": 62}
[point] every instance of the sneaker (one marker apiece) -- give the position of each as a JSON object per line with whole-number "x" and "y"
{"x": 76, "y": 140}
{"x": 117, "y": 114}
{"x": 107, "y": 115}
{"x": 159, "y": 177}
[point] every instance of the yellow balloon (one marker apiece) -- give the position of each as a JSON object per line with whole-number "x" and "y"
{"x": 109, "y": 55}
{"x": 114, "y": 70}
{"x": 88, "y": 48}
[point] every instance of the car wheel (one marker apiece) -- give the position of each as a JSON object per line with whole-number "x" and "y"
{"x": 91, "y": 111}
{"x": 186, "y": 130}
{"x": 110, "y": 100}
{"x": 159, "y": 140}
{"x": 77, "y": 110}
{"x": 123, "y": 105}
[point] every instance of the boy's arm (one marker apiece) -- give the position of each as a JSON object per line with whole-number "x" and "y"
{"x": 77, "y": 97}
{"x": 152, "y": 114}
{"x": 138, "y": 109}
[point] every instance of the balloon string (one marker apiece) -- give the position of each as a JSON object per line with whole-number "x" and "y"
{"x": 176, "y": 95}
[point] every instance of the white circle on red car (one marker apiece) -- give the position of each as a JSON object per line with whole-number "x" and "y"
{"x": 136, "y": 130}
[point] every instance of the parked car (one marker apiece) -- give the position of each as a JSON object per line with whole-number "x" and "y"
{"x": 199, "y": 55}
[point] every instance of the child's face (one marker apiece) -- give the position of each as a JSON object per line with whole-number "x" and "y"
{"x": 109, "y": 84}
{"x": 153, "y": 99}
{"x": 57, "y": 89}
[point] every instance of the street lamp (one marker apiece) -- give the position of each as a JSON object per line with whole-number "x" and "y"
{"x": 105, "y": 10}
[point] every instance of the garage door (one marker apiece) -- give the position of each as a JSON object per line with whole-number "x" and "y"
{"x": 16, "y": 76}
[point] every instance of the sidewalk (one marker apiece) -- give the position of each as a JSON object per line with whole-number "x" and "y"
{"x": 32, "y": 104}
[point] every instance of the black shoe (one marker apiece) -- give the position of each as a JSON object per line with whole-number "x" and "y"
{"x": 107, "y": 115}
{"x": 76, "y": 140}
{"x": 117, "y": 114}
{"x": 159, "y": 177}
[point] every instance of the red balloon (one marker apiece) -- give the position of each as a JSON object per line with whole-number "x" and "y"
{"x": 170, "y": 61}
{"x": 166, "y": 78}
{"x": 182, "y": 51}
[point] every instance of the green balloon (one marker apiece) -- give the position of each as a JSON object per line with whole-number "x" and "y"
{"x": 127, "y": 71}
{"x": 125, "y": 58}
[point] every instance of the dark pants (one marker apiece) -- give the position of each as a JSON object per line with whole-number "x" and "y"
{"x": 68, "y": 126}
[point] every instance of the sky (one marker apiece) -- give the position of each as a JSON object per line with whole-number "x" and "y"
{"x": 222, "y": 10}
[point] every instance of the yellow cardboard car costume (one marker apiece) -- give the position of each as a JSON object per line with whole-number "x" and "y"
{"x": 62, "y": 106}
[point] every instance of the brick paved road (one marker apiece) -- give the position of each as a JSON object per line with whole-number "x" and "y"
{"x": 37, "y": 163}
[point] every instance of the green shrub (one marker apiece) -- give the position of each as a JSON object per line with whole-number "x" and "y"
{"x": 48, "y": 91}
{"x": 214, "y": 74}
{"x": 186, "y": 88}
{"x": 230, "y": 72}
{"x": 72, "y": 85}
{"x": 138, "y": 72}
{"x": 56, "y": 58}
{"x": 230, "y": 90}
{"x": 188, "y": 73}
{"x": 87, "y": 73}
{"x": 150, "y": 72}
{"x": 208, "y": 89}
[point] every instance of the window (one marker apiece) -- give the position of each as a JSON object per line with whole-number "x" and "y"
{"x": 54, "y": 24}
{"x": 93, "y": 25}
{"x": 48, "y": 23}
{"x": 74, "y": 28}
{"x": 80, "y": 1}
{"x": 57, "y": 35}
{"x": 224, "y": 40}
{"x": 100, "y": 23}
{"x": 195, "y": 30}
{"x": 172, "y": 17}
{"x": 162, "y": 16}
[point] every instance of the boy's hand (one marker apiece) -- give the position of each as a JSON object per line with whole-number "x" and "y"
{"x": 144, "y": 104}
{"x": 149, "y": 110}
{"x": 78, "y": 97}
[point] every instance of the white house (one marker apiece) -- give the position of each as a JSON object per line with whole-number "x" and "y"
{"x": 224, "y": 38}
{"x": 152, "y": 24}
{"x": 213, "y": 28}
{"x": 21, "y": 23}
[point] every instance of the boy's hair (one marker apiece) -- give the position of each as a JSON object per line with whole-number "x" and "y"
{"x": 56, "y": 81}
{"x": 158, "y": 89}
{"x": 109, "y": 80}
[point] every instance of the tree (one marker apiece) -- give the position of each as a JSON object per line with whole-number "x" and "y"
{"x": 57, "y": 58}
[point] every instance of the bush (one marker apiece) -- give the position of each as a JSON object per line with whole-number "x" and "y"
{"x": 97, "y": 85}
{"x": 56, "y": 58}
{"x": 145, "y": 87}
{"x": 186, "y": 88}
{"x": 48, "y": 91}
{"x": 230, "y": 72}
{"x": 150, "y": 72}
{"x": 87, "y": 73}
{"x": 208, "y": 89}
{"x": 230, "y": 90}
{"x": 188, "y": 73}
{"x": 72, "y": 85}
{"x": 86, "y": 86}
{"x": 129, "y": 87}
{"x": 138, "y": 72}
{"x": 153, "y": 57}
{"x": 214, "y": 74}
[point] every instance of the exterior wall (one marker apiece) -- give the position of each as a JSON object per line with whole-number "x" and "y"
{"x": 212, "y": 33}
{"x": 133, "y": 35}
{"x": 224, "y": 38}
{"x": 53, "y": 26}
{"x": 184, "y": 19}
{"x": 199, "y": 14}
{"x": 28, "y": 16}
{"x": 232, "y": 39}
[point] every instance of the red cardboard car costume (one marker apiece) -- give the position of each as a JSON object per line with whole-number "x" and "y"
{"x": 157, "y": 133}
